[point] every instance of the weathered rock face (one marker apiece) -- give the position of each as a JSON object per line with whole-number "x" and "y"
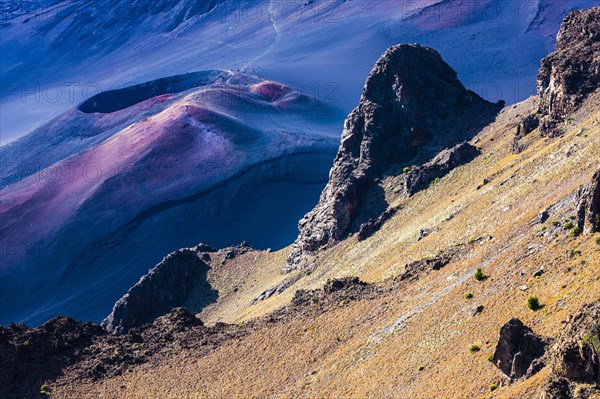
{"x": 567, "y": 76}
{"x": 575, "y": 355}
{"x": 588, "y": 205}
{"x": 169, "y": 284}
{"x": 421, "y": 176}
{"x": 572, "y": 71}
{"x": 412, "y": 106}
{"x": 517, "y": 349}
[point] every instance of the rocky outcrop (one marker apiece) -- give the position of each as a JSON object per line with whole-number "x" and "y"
{"x": 235, "y": 251}
{"x": 412, "y": 106}
{"x": 571, "y": 72}
{"x": 575, "y": 355}
{"x": 526, "y": 126}
{"x": 588, "y": 205}
{"x": 421, "y": 176}
{"x": 32, "y": 356}
{"x": 340, "y": 284}
{"x": 517, "y": 350}
{"x": 568, "y": 75}
{"x": 168, "y": 285}
{"x": 368, "y": 228}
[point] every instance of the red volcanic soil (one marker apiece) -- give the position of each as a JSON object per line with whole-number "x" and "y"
{"x": 271, "y": 91}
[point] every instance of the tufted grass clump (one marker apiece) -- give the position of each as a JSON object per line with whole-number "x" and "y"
{"x": 469, "y": 295}
{"x": 479, "y": 276}
{"x": 473, "y": 348}
{"x": 533, "y": 303}
{"x": 575, "y": 232}
{"x": 568, "y": 225}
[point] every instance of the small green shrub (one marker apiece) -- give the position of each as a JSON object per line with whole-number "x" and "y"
{"x": 533, "y": 303}
{"x": 479, "y": 276}
{"x": 493, "y": 387}
{"x": 474, "y": 348}
{"x": 44, "y": 390}
{"x": 598, "y": 240}
{"x": 574, "y": 251}
{"x": 406, "y": 170}
{"x": 421, "y": 368}
{"x": 491, "y": 358}
{"x": 568, "y": 225}
{"x": 575, "y": 232}
{"x": 469, "y": 295}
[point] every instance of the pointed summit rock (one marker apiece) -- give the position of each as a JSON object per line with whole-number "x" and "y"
{"x": 412, "y": 106}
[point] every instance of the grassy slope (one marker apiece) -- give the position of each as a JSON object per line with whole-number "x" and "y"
{"x": 373, "y": 349}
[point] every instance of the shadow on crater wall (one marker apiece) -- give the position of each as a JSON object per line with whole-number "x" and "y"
{"x": 116, "y": 100}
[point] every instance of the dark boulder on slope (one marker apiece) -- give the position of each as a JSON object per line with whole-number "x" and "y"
{"x": 412, "y": 107}
{"x": 168, "y": 285}
{"x": 421, "y": 176}
{"x": 517, "y": 349}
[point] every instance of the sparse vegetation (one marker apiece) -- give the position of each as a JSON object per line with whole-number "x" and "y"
{"x": 568, "y": 225}
{"x": 491, "y": 358}
{"x": 533, "y": 303}
{"x": 474, "y": 348}
{"x": 493, "y": 387}
{"x": 406, "y": 170}
{"x": 592, "y": 340}
{"x": 556, "y": 223}
{"x": 574, "y": 251}
{"x": 598, "y": 240}
{"x": 576, "y": 231}
{"x": 44, "y": 390}
{"x": 469, "y": 295}
{"x": 421, "y": 368}
{"x": 479, "y": 276}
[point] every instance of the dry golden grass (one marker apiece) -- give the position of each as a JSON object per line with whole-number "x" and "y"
{"x": 373, "y": 349}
